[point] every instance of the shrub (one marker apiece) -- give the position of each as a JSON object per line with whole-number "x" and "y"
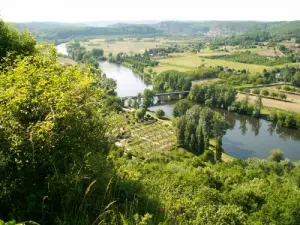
{"x": 274, "y": 95}
{"x": 286, "y": 88}
{"x": 140, "y": 113}
{"x": 181, "y": 107}
{"x": 265, "y": 92}
{"x": 282, "y": 96}
{"x": 160, "y": 113}
{"x": 276, "y": 155}
{"x": 256, "y": 91}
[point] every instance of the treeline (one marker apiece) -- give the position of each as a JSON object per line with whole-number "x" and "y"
{"x": 252, "y": 58}
{"x": 284, "y": 74}
{"x": 212, "y": 95}
{"x": 137, "y": 62}
{"x": 162, "y": 51}
{"x": 268, "y": 32}
{"x": 244, "y": 40}
{"x": 173, "y": 80}
{"x": 83, "y": 31}
{"x": 81, "y": 54}
{"x": 246, "y": 108}
{"x": 285, "y": 119}
{"x": 197, "y": 127}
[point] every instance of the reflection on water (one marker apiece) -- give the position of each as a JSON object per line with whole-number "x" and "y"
{"x": 128, "y": 83}
{"x": 246, "y": 137}
{"x": 251, "y": 137}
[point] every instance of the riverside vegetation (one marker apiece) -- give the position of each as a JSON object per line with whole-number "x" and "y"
{"x": 59, "y": 163}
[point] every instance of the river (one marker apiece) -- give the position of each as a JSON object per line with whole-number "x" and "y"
{"x": 247, "y": 136}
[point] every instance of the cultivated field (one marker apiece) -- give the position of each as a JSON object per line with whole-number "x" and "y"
{"x": 130, "y": 45}
{"x": 126, "y": 46}
{"x": 192, "y": 61}
{"x": 157, "y": 136}
{"x": 269, "y": 52}
{"x": 288, "y": 106}
{"x": 199, "y": 82}
{"x": 164, "y": 67}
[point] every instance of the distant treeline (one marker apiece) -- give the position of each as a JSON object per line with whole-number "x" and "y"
{"x": 173, "y": 80}
{"x": 253, "y": 58}
{"x": 162, "y": 51}
{"x": 245, "y": 32}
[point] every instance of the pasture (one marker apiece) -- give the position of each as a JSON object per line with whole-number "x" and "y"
{"x": 126, "y": 46}
{"x": 130, "y": 45}
{"x": 192, "y": 61}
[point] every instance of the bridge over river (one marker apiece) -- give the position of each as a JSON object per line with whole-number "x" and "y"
{"x": 180, "y": 94}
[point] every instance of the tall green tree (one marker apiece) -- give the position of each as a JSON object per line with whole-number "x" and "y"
{"x": 52, "y": 123}
{"x": 14, "y": 42}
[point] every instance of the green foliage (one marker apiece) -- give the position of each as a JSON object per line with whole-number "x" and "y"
{"x": 197, "y": 126}
{"x": 162, "y": 51}
{"x": 256, "y": 91}
{"x": 251, "y": 58}
{"x": 14, "y": 42}
{"x": 181, "y": 107}
{"x": 148, "y": 98}
{"x": 97, "y": 53}
{"x": 296, "y": 79}
{"x": 172, "y": 80}
{"x": 52, "y": 124}
{"x": 265, "y": 92}
{"x": 212, "y": 95}
{"x": 137, "y": 62}
{"x": 276, "y": 155}
{"x": 285, "y": 119}
{"x": 160, "y": 113}
{"x": 80, "y": 54}
{"x": 140, "y": 113}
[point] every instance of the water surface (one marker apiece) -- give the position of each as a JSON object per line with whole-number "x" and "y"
{"x": 247, "y": 136}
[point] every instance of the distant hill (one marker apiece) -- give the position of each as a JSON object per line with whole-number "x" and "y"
{"x": 58, "y": 31}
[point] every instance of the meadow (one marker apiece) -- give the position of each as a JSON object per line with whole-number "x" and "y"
{"x": 129, "y": 45}
{"x": 192, "y": 61}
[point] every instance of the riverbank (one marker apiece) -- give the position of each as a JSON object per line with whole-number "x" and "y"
{"x": 155, "y": 134}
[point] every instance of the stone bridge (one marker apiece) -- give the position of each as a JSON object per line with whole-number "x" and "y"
{"x": 169, "y": 94}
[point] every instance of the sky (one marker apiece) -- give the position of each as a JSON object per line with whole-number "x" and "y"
{"x": 99, "y": 10}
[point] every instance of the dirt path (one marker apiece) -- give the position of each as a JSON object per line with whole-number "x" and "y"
{"x": 293, "y": 107}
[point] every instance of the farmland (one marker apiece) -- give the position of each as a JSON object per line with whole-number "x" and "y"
{"x": 116, "y": 46}
{"x": 192, "y": 61}
{"x": 289, "y": 106}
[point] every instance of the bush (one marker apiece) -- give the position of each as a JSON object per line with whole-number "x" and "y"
{"x": 274, "y": 95}
{"x": 282, "y": 96}
{"x": 256, "y": 91}
{"x": 286, "y": 88}
{"x": 276, "y": 155}
{"x": 265, "y": 92}
{"x": 160, "y": 113}
{"x": 140, "y": 113}
{"x": 296, "y": 79}
{"x": 181, "y": 107}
